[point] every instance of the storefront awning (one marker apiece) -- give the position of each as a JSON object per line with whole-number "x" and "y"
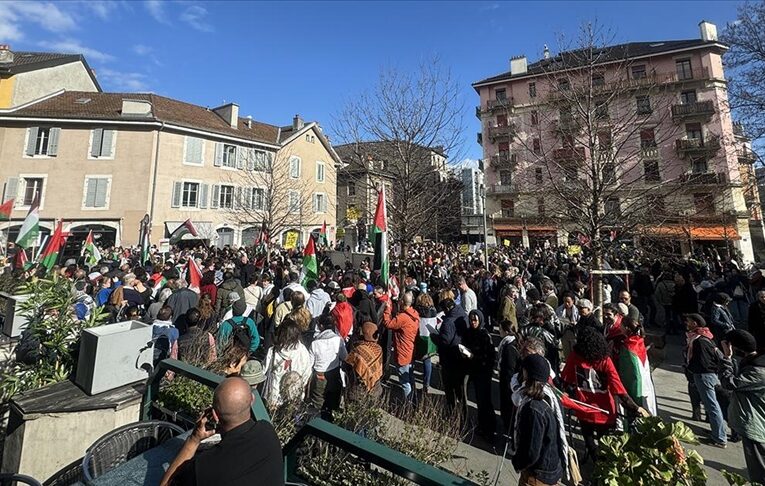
{"x": 713, "y": 233}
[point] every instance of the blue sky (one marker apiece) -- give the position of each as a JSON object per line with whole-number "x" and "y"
{"x": 278, "y": 59}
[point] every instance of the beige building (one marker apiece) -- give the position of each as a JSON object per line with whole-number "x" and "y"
{"x": 102, "y": 161}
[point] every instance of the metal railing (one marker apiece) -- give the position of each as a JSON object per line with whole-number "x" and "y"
{"x": 697, "y": 145}
{"x": 704, "y": 178}
{"x": 504, "y": 158}
{"x": 569, "y": 154}
{"x": 501, "y": 131}
{"x": 501, "y": 188}
{"x": 649, "y": 152}
{"x": 697, "y": 108}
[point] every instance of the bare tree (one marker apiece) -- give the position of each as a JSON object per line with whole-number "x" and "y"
{"x": 409, "y": 123}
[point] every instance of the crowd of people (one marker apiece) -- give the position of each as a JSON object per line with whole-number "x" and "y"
{"x": 528, "y": 319}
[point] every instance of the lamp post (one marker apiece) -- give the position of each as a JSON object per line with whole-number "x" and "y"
{"x": 485, "y": 231}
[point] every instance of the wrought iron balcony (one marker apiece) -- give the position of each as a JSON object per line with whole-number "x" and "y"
{"x": 697, "y": 146}
{"x": 502, "y": 189}
{"x": 504, "y": 131}
{"x": 704, "y": 178}
{"x": 746, "y": 156}
{"x": 649, "y": 152}
{"x": 503, "y": 104}
{"x": 697, "y": 109}
{"x": 569, "y": 154}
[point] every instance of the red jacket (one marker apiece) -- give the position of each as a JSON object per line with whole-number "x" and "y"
{"x": 594, "y": 384}
{"x": 406, "y": 327}
{"x": 343, "y": 314}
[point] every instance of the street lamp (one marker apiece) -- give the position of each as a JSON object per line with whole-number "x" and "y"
{"x": 485, "y": 231}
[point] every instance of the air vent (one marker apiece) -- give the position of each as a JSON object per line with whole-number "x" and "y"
{"x": 82, "y": 101}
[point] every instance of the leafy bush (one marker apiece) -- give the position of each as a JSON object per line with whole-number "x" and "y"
{"x": 54, "y": 329}
{"x": 737, "y": 479}
{"x": 651, "y": 454}
{"x": 186, "y": 396}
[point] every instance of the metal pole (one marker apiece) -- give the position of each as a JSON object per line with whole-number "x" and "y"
{"x": 485, "y": 231}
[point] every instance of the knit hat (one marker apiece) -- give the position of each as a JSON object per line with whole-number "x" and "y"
{"x": 239, "y": 307}
{"x": 537, "y": 368}
{"x": 742, "y": 340}
{"x": 252, "y": 372}
{"x": 623, "y": 309}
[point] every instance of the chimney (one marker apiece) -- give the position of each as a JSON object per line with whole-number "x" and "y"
{"x": 6, "y": 56}
{"x": 708, "y": 31}
{"x": 230, "y": 113}
{"x": 546, "y": 53}
{"x": 249, "y": 121}
{"x": 518, "y": 65}
{"x": 297, "y": 122}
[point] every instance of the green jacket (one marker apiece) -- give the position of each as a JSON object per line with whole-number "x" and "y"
{"x": 746, "y": 412}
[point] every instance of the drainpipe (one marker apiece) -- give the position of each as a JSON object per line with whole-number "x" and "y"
{"x": 154, "y": 175}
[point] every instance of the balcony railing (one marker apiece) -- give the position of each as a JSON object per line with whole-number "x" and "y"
{"x": 502, "y": 188}
{"x": 738, "y": 129}
{"x": 505, "y": 131}
{"x": 746, "y": 156}
{"x": 649, "y": 152}
{"x": 704, "y": 178}
{"x": 695, "y": 109}
{"x": 569, "y": 154}
{"x": 503, "y": 104}
{"x": 697, "y": 146}
{"x": 504, "y": 158}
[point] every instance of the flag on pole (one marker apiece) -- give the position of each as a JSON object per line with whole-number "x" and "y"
{"x": 49, "y": 255}
{"x": 20, "y": 259}
{"x": 310, "y": 269}
{"x": 30, "y": 229}
{"x": 184, "y": 229}
{"x": 261, "y": 244}
{"x": 5, "y": 210}
{"x": 89, "y": 247}
{"x": 143, "y": 238}
{"x": 635, "y": 371}
{"x": 193, "y": 275}
{"x": 323, "y": 235}
{"x": 380, "y": 231}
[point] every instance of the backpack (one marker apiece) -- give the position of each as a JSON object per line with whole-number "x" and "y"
{"x": 289, "y": 382}
{"x": 240, "y": 331}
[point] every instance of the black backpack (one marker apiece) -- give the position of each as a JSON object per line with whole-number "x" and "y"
{"x": 240, "y": 331}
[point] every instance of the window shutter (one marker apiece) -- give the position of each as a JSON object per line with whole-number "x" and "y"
{"x": 240, "y": 155}
{"x": 215, "y": 196}
{"x": 203, "y": 190}
{"x": 90, "y": 192}
{"x": 199, "y": 150}
{"x": 177, "y": 192}
{"x": 315, "y": 203}
{"x": 32, "y": 140}
{"x": 106, "y": 143}
{"x": 53, "y": 142}
{"x": 218, "y": 154}
{"x": 251, "y": 154}
{"x": 11, "y": 190}
{"x": 100, "y": 196}
{"x": 247, "y": 198}
{"x": 95, "y": 147}
{"x": 324, "y": 204}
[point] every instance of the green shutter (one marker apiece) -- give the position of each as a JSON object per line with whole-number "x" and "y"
{"x": 95, "y": 147}
{"x": 53, "y": 141}
{"x": 106, "y": 143}
{"x": 177, "y": 192}
{"x": 32, "y": 140}
{"x": 11, "y": 189}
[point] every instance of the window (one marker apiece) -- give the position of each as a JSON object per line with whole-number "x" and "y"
{"x": 101, "y": 143}
{"x": 226, "y": 197}
{"x": 651, "y": 170}
{"x": 688, "y": 97}
{"x": 226, "y": 155}
{"x": 193, "y": 151}
{"x": 537, "y": 146}
{"x": 500, "y": 94}
{"x": 601, "y": 110}
{"x": 319, "y": 171}
{"x": 503, "y": 147}
{"x": 647, "y": 138}
{"x": 655, "y": 204}
{"x": 42, "y": 141}
{"x": 532, "y": 90}
{"x": 612, "y": 207}
{"x": 258, "y": 201}
{"x": 564, "y": 84}
{"x": 643, "y": 105}
{"x": 638, "y": 72}
{"x": 501, "y": 120}
{"x": 534, "y": 118}
{"x": 257, "y": 160}
{"x": 609, "y": 173}
{"x": 693, "y": 131}
{"x": 568, "y": 141}
{"x": 699, "y": 165}
{"x": 598, "y": 80}
{"x": 704, "y": 203}
{"x": 538, "y": 175}
{"x": 684, "y": 70}
{"x": 508, "y": 208}
{"x": 604, "y": 140}
{"x": 32, "y": 187}
{"x": 294, "y": 167}
{"x": 190, "y": 196}
{"x": 505, "y": 177}
{"x": 351, "y": 189}
{"x": 96, "y": 192}
{"x": 294, "y": 201}
{"x": 570, "y": 173}
{"x": 540, "y": 206}
{"x": 319, "y": 202}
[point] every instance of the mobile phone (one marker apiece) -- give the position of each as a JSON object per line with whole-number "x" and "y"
{"x": 211, "y": 423}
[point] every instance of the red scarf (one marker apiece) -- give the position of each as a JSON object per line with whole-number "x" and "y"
{"x": 691, "y": 336}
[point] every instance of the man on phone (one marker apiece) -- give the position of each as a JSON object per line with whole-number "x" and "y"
{"x": 248, "y": 453}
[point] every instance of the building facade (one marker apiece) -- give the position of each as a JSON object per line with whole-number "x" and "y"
{"x": 696, "y": 162}
{"x": 102, "y": 161}
{"x": 472, "y": 203}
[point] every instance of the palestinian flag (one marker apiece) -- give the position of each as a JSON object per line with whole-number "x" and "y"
{"x": 20, "y": 260}
{"x": 89, "y": 247}
{"x": 261, "y": 244}
{"x": 323, "y": 235}
{"x": 49, "y": 256}
{"x": 310, "y": 269}
{"x": 159, "y": 282}
{"x": 30, "y": 229}
{"x": 380, "y": 231}
{"x": 143, "y": 238}
{"x": 184, "y": 229}
{"x": 635, "y": 372}
{"x": 193, "y": 275}
{"x": 5, "y": 210}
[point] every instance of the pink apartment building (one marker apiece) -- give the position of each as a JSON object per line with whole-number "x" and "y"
{"x": 664, "y": 107}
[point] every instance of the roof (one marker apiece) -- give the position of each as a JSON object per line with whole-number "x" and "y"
{"x": 108, "y": 106}
{"x": 288, "y": 133}
{"x": 377, "y": 146}
{"x": 608, "y": 54}
{"x": 29, "y": 61}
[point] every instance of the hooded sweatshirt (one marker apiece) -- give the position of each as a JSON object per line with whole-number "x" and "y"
{"x": 479, "y": 342}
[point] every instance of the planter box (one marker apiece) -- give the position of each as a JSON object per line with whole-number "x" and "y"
{"x": 113, "y": 355}
{"x": 14, "y": 323}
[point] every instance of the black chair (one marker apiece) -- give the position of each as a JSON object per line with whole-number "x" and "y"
{"x": 122, "y": 444}
{"x": 67, "y": 475}
{"x": 14, "y": 479}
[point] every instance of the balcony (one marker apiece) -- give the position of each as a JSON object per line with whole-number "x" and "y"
{"x": 479, "y": 138}
{"x": 649, "y": 153}
{"x": 498, "y": 189}
{"x": 504, "y": 158}
{"x": 704, "y": 178}
{"x": 503, "y": 104}
{"x": 739, "y": 130}
{"x": 506, "y": 131}
{"x": 746, "y": 156}
{"x": 566, "y": 124}
{"x": 698, "y": 109}
{"x": 690, "y": 147}
{"x": 568, "y": 155}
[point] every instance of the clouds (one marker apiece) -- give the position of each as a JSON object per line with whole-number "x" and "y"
{"x": 123, "y": 81}
{"x": 47, "y": 15}
{"x": 72, "y": 46}
{"x": 196, "y": 17}
{"x": 156, "y": 9}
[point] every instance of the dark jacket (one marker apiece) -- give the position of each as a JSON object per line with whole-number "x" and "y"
{"x": 538, "y": 443}
{"x": 746, "y": 412}
{"x": 756, "y": 321}
{"x": 705, "y": 357}
{"x": 721, "y": 321}
{"x": 365, "y": 308}
{"x": 479, "y": 342}
{"x": 181, "y": 301}
{"x": 685, "y": 300}
{"x": 228, "y": 286}
{"x": 449, "y": 337}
